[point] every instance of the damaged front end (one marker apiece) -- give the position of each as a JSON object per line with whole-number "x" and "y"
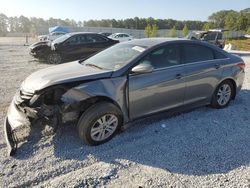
{"x": 26, "y": 108}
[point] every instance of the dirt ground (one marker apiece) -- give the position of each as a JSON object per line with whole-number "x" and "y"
{"x": 202, "y": 148}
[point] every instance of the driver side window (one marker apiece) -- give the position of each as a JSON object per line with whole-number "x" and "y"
{"x": 163, "y": 57}
{"x": 73, "y": 40}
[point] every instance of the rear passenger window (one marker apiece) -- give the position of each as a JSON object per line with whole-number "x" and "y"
{"x": 218, "y": 55}
{"x": 209, "y": 36}
{"x": 97, "y": 38}
{"x": 195, "y": 53}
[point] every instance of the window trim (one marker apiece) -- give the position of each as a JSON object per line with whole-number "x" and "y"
{"x": 182, "y": 58}
{"x": 158, "y": 69}
{"x": 211, "y": 49}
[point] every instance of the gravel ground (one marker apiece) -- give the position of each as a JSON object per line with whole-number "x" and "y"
{"x": 202, "y": 148}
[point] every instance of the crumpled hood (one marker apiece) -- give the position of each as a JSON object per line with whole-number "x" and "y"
{"x": 64, "y": 73}
{"x": 39, "y": 45}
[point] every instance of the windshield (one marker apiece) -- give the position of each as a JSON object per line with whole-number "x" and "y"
{"x": 62, "y": 38}
{"x": 115, "y": 57}
{"x": 112, "y": 35}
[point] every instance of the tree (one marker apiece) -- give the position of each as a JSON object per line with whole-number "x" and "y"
{"x": 218, "y": 18}
{"x": 24, "y": 24}
{"x": 148, "y": 30}
{"x": 206, "y": 27}
{"x": 154, "y": 31}
{"x": 151, "y": 30}
{"x": 173, "y": 32}
{"x": 3, "y": 25}
{"x": 231, "y": 19}
{"x": 248, "y": 30}
{"x": 185, "y": 30}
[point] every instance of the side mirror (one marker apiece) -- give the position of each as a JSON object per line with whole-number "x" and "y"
{"x": 143, "y": 68}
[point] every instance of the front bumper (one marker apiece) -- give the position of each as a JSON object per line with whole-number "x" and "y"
{"x": 37, "y": 54}
{"x": 9, "y": 138}
{"x": 17, "y": 116}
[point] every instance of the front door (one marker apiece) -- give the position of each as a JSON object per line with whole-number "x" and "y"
{"x": 161, "y": 89}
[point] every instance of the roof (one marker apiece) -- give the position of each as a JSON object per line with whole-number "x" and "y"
{"x": 154, "y": 41}
{"x": 120, "y": 33}
{"x": 77, "y": 33}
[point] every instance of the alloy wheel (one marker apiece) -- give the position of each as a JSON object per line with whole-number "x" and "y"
{"x": 224, "y": 94}
{"x": 104, "y": 127}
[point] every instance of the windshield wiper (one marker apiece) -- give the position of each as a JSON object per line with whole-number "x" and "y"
{"x": 93, "y": 65}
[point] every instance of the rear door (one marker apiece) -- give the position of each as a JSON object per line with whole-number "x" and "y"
{"x": 203, "y": 72}
{"x": 96, "y": 43}
{"x": 72, "y": 48}
{"x": 161, "y": 89}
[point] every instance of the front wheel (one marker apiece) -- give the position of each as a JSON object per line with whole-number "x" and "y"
{"x": 99, "y": 123}
{"x": 222, "y": 95}
{"x": 54, "y": 58}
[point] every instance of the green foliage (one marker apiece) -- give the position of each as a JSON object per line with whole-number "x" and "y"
{"x": 185, "y": 30}
{"x": 154, "y": 30}
{"x": 151, "y": 30}
{"x": 248, "y": 30}
{"x": 227, "y": 34}
{"x": 3, "y": 25}
{"x": 147, "y": 31}
{"x": 231, "y": 19}
{"x": 206, "y": 27}
{"x": 173, "y": 32}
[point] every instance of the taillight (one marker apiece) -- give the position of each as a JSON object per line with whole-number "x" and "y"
{"x": 242, "y": 66}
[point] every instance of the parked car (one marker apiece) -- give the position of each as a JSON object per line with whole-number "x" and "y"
{"x": 42, "y": 38}
{"x": 71, "y": 46}
{"x": 213, "y": 36}
{"x": 127, "y": 81}
{"x": 52, "y": 36}
{"x": 106, "y": 34}
{"x": 121, "y": 37}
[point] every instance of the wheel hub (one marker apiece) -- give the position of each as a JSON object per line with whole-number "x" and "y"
{"x": 104, "y": 127}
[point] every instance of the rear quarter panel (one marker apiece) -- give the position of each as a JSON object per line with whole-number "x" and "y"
{"x": 232, "y": 71}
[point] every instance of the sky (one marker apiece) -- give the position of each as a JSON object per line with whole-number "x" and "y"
{"x": 81, "y": 10}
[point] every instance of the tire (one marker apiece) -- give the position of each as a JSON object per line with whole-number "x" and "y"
{"x": 94, "y": 126}
{"x": 222, "y": 95}
{"x": 54, "y": 58}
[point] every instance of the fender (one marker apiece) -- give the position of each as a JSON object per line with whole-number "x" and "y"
{"x": 114, "y": 89}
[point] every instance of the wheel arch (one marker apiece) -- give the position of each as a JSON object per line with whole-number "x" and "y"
{"x": 96, "y": 99}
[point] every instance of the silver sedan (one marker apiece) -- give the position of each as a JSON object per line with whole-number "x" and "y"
{"x": 127, "y": 81}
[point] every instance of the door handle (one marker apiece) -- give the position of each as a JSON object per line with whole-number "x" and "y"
{"x": 217, "y": 66}
{"x": 178, "y": 76}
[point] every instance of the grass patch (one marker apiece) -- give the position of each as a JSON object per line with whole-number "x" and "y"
{"x": 241, "y": 44}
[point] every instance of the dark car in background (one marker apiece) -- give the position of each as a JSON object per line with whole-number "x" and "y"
{"x": 70, "y": 47}
{"x": 127, "y": 81}
{"x": 106, "y": 34}
{"x": 213, "y": 36}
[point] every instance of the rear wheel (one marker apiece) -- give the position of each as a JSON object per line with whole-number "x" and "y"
{"x": 54, "y": 58}
{"x": 222, "y": 95}
{"x": 99, "y": 123}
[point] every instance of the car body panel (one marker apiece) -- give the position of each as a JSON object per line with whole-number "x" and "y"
{"x": 121, "y": 37}
{"x": 157, "y": 91}
{"x": 64, "y": 73}
{"x": 201, "y": 79}
{"x": 112, "y": 88}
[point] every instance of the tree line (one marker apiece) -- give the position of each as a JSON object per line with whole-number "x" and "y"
{"x": 228, "y": 19}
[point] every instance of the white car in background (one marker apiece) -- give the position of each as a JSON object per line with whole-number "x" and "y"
{"x": 52, "y": 36}
{"x": 121, "y": 37}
